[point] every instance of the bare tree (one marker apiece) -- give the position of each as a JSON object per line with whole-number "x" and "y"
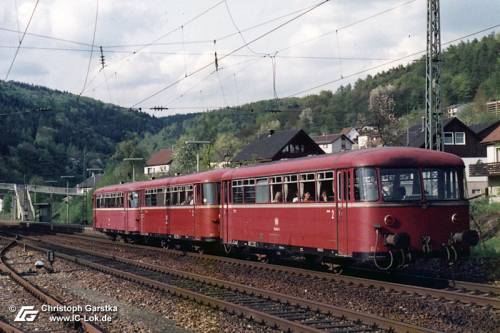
{"x": 382, "y": 105}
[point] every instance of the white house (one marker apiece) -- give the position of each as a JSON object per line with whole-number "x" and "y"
{"x": 351, "y": 133}
{"x": 491, "y": 169}
{"x": 159, "y": 163}
{"x": 333, "y": 143}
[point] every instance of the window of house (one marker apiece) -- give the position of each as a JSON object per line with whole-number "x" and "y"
{"x": 448, "y": 138}
{"x": 325, "y": 186}
{"x": 460, "y": 138}
{"x": 276, "y": 189}
{"x": 290, "y": 188}
{"x": 262, "y": 191}
{"x": 498, "y": 155}
{"x": 237, "y": 191}
{"x": 307, "y": 187}
{"x": 365, "y": 184}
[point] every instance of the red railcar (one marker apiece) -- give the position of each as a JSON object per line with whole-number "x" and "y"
{"x": 184, "y": 207}
{"x": 384, "y": 204}
{"x": 365, "y": 204}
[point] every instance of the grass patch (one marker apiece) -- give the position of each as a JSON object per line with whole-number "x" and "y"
{"x": 489, "y": 248}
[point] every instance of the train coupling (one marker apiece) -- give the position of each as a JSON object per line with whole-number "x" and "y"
{"x": 397, "y": 240}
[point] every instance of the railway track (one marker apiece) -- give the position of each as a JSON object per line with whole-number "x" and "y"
{"x": 455, "y": 291}
{"x": 277, "y": 310}
{"x": 36, "y": 292}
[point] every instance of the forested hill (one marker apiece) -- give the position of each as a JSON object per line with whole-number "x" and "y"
{"x": 79, "y": 133}
{"x": 49, "y": 133}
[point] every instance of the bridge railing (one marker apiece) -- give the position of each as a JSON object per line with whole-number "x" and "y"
{"x": 44, "y": 189}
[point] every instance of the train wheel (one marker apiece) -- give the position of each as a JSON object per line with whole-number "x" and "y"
{"x": 334, "y": 268}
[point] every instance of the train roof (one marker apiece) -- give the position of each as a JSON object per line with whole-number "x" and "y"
{"x": 376, "y": 157}
{"x": 201, "y": 177}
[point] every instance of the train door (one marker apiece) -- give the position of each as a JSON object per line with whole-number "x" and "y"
{"x": 225, "y": 211}
{"x": 133, "y": 212}
{"x": 166, "y": 217}
{"x": 197, "y": 212}
{"x": 344, "y": 178}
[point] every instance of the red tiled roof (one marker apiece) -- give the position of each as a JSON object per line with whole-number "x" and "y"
{"x": 346, "y": 130}
{"x": 327, "y": 138}
{"x": 493, "y": 136}
{"x": 161, "y": 157}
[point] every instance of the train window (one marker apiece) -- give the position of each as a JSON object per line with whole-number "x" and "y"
{"x": 189, "y": 200}
{"x": 307, "y": 187}
{"x": 120, "y": 200}
{"x": 167, "y": 196}
{"x": 182, "y": 195}
{"x": 150, "y": 198}
{"x": 133, "y": 200}
{"x": 249, "y": 191}
{"x": 400, "y": 184}
{"x": 365, "y": 184}
{"x": 325, "y": 186}
{"x": 441, "y": 184}
{"x": 276, "y": 189}
{"x": 211, "y": 194}
{"x": 174, "y": 196}
{"x": 344, "y": 186}
{"x": 160, "y": 197}
{"x": 262, "y": 191}
{"x": 291, "y": 188}
{"x": 237, "y": 191}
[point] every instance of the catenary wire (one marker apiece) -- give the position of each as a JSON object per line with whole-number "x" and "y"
{"x": 230, "y": 53}
{"x": 91, "y": 48}
{"x": 21, "y": 41}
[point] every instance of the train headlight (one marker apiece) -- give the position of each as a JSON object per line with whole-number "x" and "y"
{"x": 455, "y": 219}
{"x": 389, "y": 220}
{"x": 399, "y": 241}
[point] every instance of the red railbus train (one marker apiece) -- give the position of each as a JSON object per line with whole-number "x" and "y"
{"x": 385, "y": 205}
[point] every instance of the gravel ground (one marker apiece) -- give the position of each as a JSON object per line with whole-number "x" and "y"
{"x": 140, "y": 309}
{"x": 13, "y": 295}
{"x": 472, "y": 269}
{"x": 431, "y": 313}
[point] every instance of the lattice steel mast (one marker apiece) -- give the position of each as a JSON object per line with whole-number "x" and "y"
{"x": 433, "y": 121}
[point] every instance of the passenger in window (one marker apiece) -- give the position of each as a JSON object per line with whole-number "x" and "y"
{"x": 307, "y": 197}
{"x": 278, "y": 197}
{"x": 294, "y": 197}
{"x": 324, "y": 196}
{"x": 188, "y": 201}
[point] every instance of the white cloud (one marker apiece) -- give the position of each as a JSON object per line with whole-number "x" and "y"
{"x": 243, "y": 79}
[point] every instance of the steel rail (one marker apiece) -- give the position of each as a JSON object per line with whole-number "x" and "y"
{"x": 461, "y": 294}
{"x": 368, "y": 320}
{"x": 7, "y": 328}
{"x": 37, "y": 292}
